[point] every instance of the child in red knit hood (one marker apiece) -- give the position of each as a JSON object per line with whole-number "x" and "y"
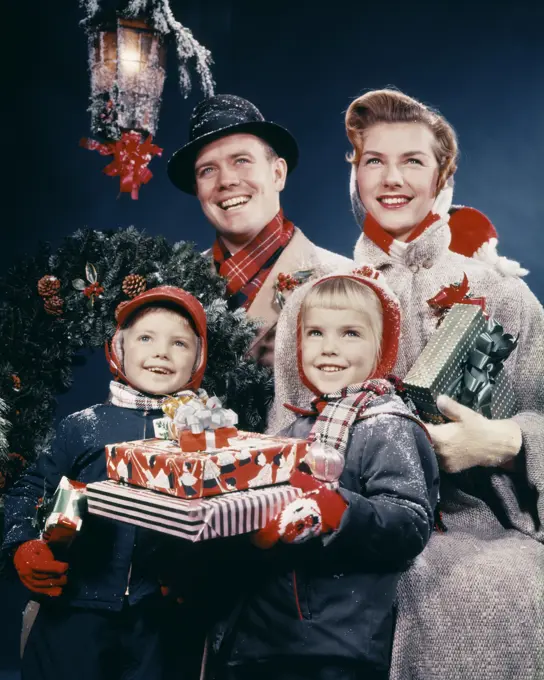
{"x": 101, "y": 611}
{"x": 321, "y": 607}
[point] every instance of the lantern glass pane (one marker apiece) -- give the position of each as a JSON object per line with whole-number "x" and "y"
{"x": 103, "y": 61}
{"x": 146, "y": 44}
{"x": 129, "y": 51}
{"x": 109, "y": 46}
{"x": 127, "y": 76}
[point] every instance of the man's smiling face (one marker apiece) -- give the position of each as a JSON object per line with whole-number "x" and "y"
{"x": 238, "y": 183}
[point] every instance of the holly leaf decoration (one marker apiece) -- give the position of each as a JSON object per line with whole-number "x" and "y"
{"x": 91, "y": 273}
{"x": 79, "y": 284}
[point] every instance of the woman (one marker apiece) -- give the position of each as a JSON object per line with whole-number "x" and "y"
{"x": 472, "y": 605}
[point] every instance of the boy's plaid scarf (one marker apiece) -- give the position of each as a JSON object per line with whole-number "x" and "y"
{"x": 127, "y": 397}
{"x": 338, "y": 411}
{"x": 247, "y": 269}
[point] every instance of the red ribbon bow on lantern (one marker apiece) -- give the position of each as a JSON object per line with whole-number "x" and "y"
{"x": 457, "y": 293}
{"x": 131, "y": 157}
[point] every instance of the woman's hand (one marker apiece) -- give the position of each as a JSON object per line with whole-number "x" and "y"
{"x": 472, "y": 440}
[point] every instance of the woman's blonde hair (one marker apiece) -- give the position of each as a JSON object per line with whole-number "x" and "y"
{"x": 392, "y": 106}
{"x": 344, "y": 293}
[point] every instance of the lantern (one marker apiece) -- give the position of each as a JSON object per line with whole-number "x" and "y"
{"x": 127, "y": 65}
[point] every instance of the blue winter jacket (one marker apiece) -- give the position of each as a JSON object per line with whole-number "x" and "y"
{"x": 108, "y": 559}
{"x": 333, "y": 596}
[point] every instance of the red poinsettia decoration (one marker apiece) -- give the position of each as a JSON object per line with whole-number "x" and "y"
{"x": 131, "y": 157}
{"x": 16, "y": 382}
{"x": 92, "y": 289}
{"x": 286, "y": 282}
{"x": 456, "y": 293}
{"x": 369, "y": 272}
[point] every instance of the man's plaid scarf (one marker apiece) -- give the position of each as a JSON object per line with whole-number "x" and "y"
{"x": 338, "y": 411}
{"x": 127, "y": 397}
{"x": 247, "y": 269}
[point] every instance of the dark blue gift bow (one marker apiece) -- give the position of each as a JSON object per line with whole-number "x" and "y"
{"x": 474, "y": 387}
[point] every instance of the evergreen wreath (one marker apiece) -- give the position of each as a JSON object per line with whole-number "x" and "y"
{"x": 54, "y": 305}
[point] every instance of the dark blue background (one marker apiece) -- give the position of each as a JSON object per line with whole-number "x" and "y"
{"x": 301, "y": 62}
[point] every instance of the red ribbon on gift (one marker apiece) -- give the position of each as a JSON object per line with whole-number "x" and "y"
{"x": 130, "y": 159}
{"x": 63, "y": 531}
{"x": 68, "y": 507}
{"x": 457, "y": 293}
{"x": 193, "y": 443}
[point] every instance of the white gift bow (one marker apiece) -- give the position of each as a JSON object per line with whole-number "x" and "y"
{"x": 198, "y": 416}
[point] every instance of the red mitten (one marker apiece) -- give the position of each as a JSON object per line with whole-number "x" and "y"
{"x": 38, "y": 569}
{"x": 168, "y": 589}
{"x": 306, "y": 482}
{"x": 318, "y": 511}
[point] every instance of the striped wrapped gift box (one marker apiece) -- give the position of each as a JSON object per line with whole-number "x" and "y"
{"x": 195, "y": 520}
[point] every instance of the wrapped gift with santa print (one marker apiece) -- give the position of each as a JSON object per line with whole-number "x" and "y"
{"x": 199, "y": 453}
{"x": 196, "y": 481}
{"x": 248, "y": 461}
{"x": 219, "y": 516}
{"x": 464, "y": 359}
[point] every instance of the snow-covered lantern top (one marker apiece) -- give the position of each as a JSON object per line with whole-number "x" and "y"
{"x": 127, "y": 65}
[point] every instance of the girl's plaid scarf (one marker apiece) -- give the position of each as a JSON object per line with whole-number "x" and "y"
{"x": 247, "y": 269}
{"x": 127, "y": 397}
{"x": 338, "y": 411}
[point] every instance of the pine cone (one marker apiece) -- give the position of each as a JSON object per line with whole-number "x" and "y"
{"x": 133, "y": 285}
{"x": 53, "y": 305}
{"x": 48, "y": 286}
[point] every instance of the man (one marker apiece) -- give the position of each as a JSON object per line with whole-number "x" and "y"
{"x": 237, "y": 163}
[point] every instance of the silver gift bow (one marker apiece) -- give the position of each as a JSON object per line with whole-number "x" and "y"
{"x": 198, "y": 415}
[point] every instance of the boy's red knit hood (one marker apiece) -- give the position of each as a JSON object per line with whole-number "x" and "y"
{"x": 174, "y": 296}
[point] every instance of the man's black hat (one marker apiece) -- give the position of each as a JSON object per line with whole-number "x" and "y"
{"x": 219, "y": 116}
